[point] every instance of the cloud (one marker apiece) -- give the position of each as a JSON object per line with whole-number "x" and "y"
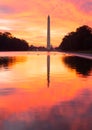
{"x": 7, "y": 91}
{"x": 5, "y": 28}
{"x": 87, "y": 7}
{"x": 5, "y": 9}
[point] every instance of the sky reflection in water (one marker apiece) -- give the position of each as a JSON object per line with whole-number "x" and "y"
{"x": 45, "y": 92}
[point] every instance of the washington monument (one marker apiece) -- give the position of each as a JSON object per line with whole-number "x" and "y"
{"x": 48, "y": 33}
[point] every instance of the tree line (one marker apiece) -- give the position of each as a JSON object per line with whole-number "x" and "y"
{"x": 80, "y": 40}
{"x": 10, "y": 43}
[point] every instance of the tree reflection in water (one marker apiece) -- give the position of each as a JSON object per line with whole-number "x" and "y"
{"x": 7, "y": 61}
{"x": 81, "y": 65}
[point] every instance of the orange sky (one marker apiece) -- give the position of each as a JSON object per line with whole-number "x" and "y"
{"x": 28, "y": 19}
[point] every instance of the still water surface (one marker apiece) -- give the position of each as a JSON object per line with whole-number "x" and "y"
{"x": 45, "y": 91}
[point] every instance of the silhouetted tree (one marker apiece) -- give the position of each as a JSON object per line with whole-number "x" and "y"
{"x": 79, "y": 40}
{"x": 10, "y": 43}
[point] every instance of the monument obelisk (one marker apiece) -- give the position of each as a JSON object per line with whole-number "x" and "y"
{"x": 48, "y": 33}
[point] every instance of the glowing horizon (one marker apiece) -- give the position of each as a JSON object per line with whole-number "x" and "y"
{"x": 28, "y": 20}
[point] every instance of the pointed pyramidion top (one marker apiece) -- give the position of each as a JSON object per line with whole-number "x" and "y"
{"x": 48, "y": 16}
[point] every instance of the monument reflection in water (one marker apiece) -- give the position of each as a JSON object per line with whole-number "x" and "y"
{"x": 48, "y": 70}
{"x": 49, "y": 91}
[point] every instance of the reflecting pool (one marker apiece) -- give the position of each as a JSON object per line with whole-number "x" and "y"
{"x": 45, "y": 91}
